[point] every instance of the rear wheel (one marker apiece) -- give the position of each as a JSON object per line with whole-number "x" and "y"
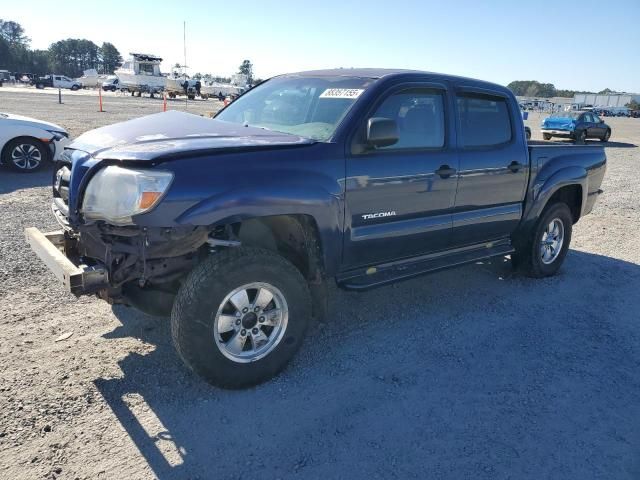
{"x": 545, "y": 251}
{"x": 606, "y": 137}
{"x": 546, "y": 136}
{"x": 581, "y": 137}
{"x": 240, "y": 316}
{"x": 25, "y": 155}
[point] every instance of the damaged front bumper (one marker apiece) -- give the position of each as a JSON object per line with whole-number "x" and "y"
{"x": 51, "y": 248}
{"x": 114, "y": 261}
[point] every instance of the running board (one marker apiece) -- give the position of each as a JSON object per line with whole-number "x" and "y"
{"x": 364, "y": 279}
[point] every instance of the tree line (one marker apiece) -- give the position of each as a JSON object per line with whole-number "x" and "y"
{"x": 66, "y": 57}
{"x": 532, "y": 88}
{"x": 72, "y": 56}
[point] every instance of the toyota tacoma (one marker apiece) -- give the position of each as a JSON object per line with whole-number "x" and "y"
{"x": 234, "y": 226}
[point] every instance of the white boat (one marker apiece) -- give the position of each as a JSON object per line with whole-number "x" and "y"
{"x": 91, "y": 79}
{"x": 215, "y": 89}
{"x": 141, "y": 73}
{"x": 179, "y": 83}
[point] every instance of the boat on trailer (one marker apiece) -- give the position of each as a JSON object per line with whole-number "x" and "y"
{"x": 141, "y": 74}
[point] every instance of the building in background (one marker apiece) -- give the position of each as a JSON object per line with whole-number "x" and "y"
{"x": 605, "y": 100}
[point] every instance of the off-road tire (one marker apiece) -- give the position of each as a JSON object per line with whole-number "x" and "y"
{"x": 527, "y": 257}
{"x": 203, "y": 291}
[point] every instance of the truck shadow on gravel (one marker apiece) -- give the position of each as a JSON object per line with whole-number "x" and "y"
{"x": 470, "y": 373}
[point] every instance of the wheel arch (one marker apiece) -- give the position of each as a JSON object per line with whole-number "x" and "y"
{"x": 568, "y": 184}
{"x": 297, "y": 238}
{"x": 5, "y": 147}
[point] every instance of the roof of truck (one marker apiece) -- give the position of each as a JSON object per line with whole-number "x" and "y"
{"x": 377, "y": 73}
{"x": 355, "y": 72}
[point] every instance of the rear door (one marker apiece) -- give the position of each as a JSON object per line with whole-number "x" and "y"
{"x": 599, "y": 128}
{"x": 594, "y": 126}
{"x": 587, "y": 124}
{"x": 493, "y": 167}
{"x": 399, "y": 198}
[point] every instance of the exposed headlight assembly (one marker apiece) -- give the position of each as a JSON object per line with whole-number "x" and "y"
{"x": 115, "y": 194}
{"x": 58, "y": 135}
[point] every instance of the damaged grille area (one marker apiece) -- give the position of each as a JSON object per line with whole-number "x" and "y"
{"x": 148, "y": 256}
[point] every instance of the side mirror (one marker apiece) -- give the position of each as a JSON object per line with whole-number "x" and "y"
{"x": 382, "y": 132}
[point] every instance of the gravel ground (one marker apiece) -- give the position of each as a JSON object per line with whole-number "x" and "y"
{"x": 470, "y": 373}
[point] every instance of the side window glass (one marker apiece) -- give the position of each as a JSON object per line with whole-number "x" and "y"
{"x": 596, "y": 118}
{"x": 419, "y": 114}
{"x": 484, "y": 120}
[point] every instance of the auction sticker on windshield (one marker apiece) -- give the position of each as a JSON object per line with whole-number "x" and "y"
{"x": 341, "y": 93}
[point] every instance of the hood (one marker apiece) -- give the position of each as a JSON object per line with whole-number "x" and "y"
{"x": 171, "y": 133}
{"x": 31, "y": 122}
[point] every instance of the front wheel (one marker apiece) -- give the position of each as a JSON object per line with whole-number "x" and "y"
{"x": 25, "y": 155}
{"x": 240, "y": 316}
{"x": 546, "y": 136}
{"x": 543, "y": 254}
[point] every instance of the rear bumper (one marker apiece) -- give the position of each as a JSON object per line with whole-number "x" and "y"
{"x": 557, "y": 133}
{"x": 51, "y": 249}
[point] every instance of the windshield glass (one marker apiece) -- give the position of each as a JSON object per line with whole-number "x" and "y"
{"x": 310, "y": 107}
{"x": 571, "y": 114}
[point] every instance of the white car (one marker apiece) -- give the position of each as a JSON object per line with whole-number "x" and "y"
{"x": 26, "y": 143}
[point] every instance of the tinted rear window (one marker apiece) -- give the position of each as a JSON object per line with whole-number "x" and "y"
{"x": 484, "y": 120}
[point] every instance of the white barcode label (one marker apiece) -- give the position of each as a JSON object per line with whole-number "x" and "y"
{"x": 341, "y": 93}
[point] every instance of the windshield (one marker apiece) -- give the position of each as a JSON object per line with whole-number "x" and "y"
{"x": 310, "y": 107}
{"x": 570, "y": 114}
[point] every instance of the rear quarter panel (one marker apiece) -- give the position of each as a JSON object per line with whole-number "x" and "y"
{"x": 557, "y": 166}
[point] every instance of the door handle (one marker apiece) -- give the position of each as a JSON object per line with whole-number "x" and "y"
{"x": 445, "y": 171}
{"x": 515, "y": 166}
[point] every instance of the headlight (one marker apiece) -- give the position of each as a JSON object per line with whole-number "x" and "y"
{"x": 115, "y": 194}
{"x": 58, "y": 135}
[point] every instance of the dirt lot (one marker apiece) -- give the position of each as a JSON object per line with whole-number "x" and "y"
{"x": 470, "y": 373}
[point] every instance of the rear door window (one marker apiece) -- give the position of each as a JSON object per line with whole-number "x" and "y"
{"x": 484, "y": 120}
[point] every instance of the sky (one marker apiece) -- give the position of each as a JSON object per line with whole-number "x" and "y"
{"x": 589, "y": 45}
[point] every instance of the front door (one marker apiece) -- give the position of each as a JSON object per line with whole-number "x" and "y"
{"x": 399, "y": 198}
{"x": 493, "y": 169}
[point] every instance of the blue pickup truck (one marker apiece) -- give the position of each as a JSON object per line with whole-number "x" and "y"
{"x": 234, "y": 226}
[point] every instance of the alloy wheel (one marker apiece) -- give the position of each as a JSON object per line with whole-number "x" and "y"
{"x": 552, "y": 240}
{"x": 251, "y": 322}
{"x": 26, "y": 156}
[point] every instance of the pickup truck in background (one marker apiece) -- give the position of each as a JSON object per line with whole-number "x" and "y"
{"x": 57, "y": 81}
{"x": 234, "y": 226}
